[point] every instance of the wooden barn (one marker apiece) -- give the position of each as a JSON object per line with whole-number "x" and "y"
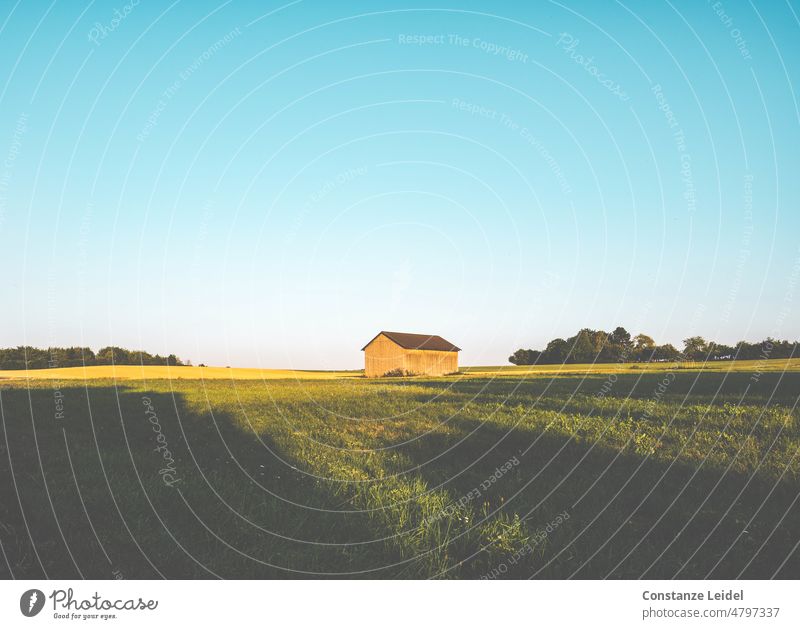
{"x": 396, "y": 352}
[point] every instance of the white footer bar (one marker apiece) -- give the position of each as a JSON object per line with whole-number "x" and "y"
{"x": 400, "y": 604}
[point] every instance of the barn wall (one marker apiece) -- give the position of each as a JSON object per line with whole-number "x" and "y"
{"x": 431, "y": 363}
{"x": 383, "y": 355}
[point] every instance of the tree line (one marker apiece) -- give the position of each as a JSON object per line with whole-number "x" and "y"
{"x": 590, "y": 346}
{"x": 25, "y": 357}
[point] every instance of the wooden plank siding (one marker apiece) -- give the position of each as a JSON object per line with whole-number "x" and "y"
{"x": 383, "y": 355}
{"x": 431, "y": 362}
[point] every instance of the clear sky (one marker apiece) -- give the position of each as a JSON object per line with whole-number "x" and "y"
{"x": 270, "y": 184}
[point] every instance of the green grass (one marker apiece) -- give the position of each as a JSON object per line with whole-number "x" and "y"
{"x": 587, "y": 476}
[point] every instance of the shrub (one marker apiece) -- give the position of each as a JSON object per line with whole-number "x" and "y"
{"x": 398, "y": 373}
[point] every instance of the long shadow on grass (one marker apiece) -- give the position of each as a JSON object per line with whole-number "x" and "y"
{"x": 145, "y": 487}
{"x": 628, "y": 515}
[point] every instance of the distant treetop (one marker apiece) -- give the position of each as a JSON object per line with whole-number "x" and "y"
{"x": 597, "y": 346}
{"x": 25, "y": 357}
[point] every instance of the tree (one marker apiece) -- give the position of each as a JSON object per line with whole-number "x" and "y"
{"x": 695, "y": 348}
{"x": 598, "y": 346}
{"x": 525, "y": 357}
{"x": 172, "y": 359}
{"x": 555, "y": 352}
{"x": 582, "y": 347}
{"x": 618, "y": 346}
{"x": 115, "y": 356}
{"x": 722, "y": 352}
{"x": 643, "y": 347}
{"x": 747, "y": 351}
{"x": 620, "y": 336}
{"x": 666, "y": 352}
{"x": 53, "y": 357}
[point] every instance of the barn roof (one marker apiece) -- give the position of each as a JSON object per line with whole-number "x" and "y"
{"x": 417, "y": 341}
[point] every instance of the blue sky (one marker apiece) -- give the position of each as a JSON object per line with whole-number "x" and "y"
{"x": 271, "y": 185}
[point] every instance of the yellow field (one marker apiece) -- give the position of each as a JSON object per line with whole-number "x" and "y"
{"x": 150, "y": 372}
{"x": 155, "y": 372}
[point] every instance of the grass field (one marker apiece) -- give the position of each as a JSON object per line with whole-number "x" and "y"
{"x": 498, "y": 472}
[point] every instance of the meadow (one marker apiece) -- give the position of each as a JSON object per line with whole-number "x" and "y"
{"x": 616, "y": 471}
